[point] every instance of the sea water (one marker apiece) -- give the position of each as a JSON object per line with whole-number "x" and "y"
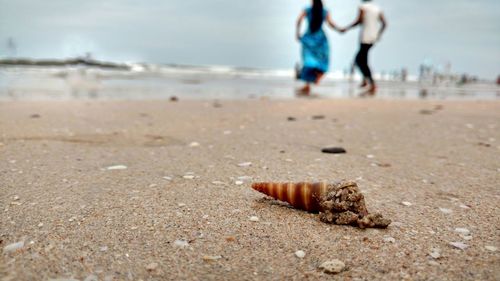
{"x": 143, "y": 81}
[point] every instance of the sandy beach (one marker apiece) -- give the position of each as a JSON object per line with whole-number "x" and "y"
{"x": 158, "y": 190}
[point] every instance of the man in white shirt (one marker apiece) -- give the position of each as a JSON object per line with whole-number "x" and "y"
{"x": 373, "y": 24}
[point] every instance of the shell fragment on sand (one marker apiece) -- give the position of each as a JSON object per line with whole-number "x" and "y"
{"x": 333, "y": 266}
{"x": 13, "y": 247}
{"x": 491, "y": 248}
{"x": 194, "y": 144}
{"x": 211, "y": 258}
{"x": 445, "y": 211}
{"x": 116, "y": 167}
{"x": 459, "y": 245}
{"x": 300, "y": 254}
{"x": 181, "y": 244}
{"x": 254, "y": 219}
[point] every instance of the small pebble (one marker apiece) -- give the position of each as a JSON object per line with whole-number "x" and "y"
{"x": 181, "y": 205}
{"x": 332, "y": 267}
{"x": 291, "y": 119}
{"x": 334, "y": 150}
{"x": 245, "y": 164}
{"x": 13, "y": 247}
{"x": 117, "y": 167}
{"x": 370, "y": 156}
{"x": 238, "y": 182}
{"x": 300, "y": 254}
{"x": 218, "y": 182}
{"x": 491, "y": 248}
{"x": 152, "y": 266}
{"x": 389, "y": 240}
{"x": 103, "y": 249}
{"x": 40, "y": 224}
{"x": 459, "y": 245}
{"x": 181, "y": 243}
{"x": 167, "y": 178}
{"x": 254, "y": 218}
{"x": 15, "y": 198}
{"x": 188, "y": 177}
{"x": 211, "y": 258}
{"x": 407, "y": 204}
{"x": 463, "y": 206}
{"x": 194, "y": 144}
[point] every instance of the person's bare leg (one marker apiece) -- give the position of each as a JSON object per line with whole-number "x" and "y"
{"x": 372, "y": 90}
{"x": 318, "y": 78}
{"x": 306, "y": 90}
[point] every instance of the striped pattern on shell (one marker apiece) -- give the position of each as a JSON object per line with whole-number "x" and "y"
{"x": 304, "y": 196}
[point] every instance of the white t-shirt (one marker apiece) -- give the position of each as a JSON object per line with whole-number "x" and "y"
{"x": 370, "y": 24}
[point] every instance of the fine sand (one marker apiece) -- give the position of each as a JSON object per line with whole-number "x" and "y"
{"x": 180, "y": 206}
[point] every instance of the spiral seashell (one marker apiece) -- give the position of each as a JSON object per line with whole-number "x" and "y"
{"x": 338, "y": 203}
{"x": 303, "y": 196}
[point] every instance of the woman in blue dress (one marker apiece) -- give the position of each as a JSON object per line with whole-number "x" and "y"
{"x": 315, "y": 48}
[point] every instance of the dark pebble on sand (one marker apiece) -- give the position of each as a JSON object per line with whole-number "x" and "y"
{"x": 34, "y": 116}
{"x": 334, "y": 150}
{"x": 318, "y": 117}
{"x": 484, "y": 144}
{"x": 174, "y": 99}
{"x": 292, "y": 119}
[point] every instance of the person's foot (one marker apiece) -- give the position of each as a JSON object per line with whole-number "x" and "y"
{"x": 318, "y": 78}
{"x": 371, "y": 92}
{"x": 363, "y": 84}
{"x": 304, "y": 91}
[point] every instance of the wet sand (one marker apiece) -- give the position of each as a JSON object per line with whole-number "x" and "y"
{"x": 176, "y": 203}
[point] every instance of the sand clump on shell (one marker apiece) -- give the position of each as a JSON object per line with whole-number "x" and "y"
{"x": 339, "y": 203}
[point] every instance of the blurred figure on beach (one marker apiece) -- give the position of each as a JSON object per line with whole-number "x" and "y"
{"x": 373, "y": 24}
{"x": 315, "y": 46}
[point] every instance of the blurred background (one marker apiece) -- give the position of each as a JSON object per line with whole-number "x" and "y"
{"x": 436, "y": 41}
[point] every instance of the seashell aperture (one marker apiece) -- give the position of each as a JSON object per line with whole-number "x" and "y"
{"x": 338, "y": 203}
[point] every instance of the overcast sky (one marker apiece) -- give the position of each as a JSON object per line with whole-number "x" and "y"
{"x": 255, "y": 33}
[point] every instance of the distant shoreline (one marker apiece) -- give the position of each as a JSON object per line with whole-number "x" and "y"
{"x": 64, "y": 62}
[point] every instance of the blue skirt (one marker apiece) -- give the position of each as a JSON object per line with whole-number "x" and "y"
{"x": 315, "y": 55}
